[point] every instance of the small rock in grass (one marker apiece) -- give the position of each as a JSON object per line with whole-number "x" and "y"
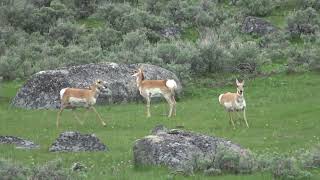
{"x": 71, "y": 141}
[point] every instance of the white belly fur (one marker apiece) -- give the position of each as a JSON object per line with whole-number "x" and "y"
{"x": 155, "y": 92}
{"x": 236, "y": 106}
{"x": 78, "y": 102}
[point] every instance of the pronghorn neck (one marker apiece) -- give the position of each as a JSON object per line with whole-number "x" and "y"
{"x": 139, "y": 79}
{"x": 94, "y": 90}
{"x": 240, "y": 97}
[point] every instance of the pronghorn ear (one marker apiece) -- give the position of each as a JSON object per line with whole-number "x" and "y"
{"x": 237, "y": 82}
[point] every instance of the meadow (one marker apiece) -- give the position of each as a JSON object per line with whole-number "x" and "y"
{"x": 282, "y": 111}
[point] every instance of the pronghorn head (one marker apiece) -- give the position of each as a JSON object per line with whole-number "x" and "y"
{"x": 240, "y": 88}
{"x": 138, "y": 73}
{"x": 101, "y": 85}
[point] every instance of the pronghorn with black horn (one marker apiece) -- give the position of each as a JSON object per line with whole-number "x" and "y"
{"x": 72, "y": 98}
{"x": 153, "y": 88}
{"x": 234, "y": 102}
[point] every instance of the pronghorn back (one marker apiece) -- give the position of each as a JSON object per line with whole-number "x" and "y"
{"x": 75, "y": 92}
{"x": 227, "y": 97}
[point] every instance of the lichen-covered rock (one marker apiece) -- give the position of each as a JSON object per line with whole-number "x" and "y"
{"x": 20, "y": 143}
{"x": 188, "y": 152}
{"x": 257, "y": 26}
{"x": 42, "y": 90}
{"x": 170, "y": 32}
{"x": 75, "y": 142}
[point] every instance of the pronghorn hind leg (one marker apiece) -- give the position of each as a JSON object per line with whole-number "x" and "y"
{"x": 174, "y": 106}
{"x": 76, "y": 116}
{"x": 102, "y": 122}
{"x": 58, "y": 116}
{"x": 171, "y": 104}
{"x": 148, "y": 106}
{"x": 230, "y": 116}
{"x": 245, "y": 118}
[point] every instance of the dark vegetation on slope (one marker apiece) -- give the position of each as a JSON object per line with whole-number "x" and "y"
{"x": 187, "y": 37}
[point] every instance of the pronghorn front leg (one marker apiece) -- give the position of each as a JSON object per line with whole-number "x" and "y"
{"x": 102, "y": 122}
{"x": 76, "y": 116}
{"x": 58, "y": 116}
{"x": 230, "y": 116}
{"x": 148, "y": 106}
{"x": 244, "y": 117}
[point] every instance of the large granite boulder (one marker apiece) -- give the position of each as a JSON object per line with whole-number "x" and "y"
{"x": 42, "y": 89}
{"x": 187, "y": 152}
{"x": 76, "y": 142}
{"x": 19, "y": 143}
{"x": 255, "y": 25}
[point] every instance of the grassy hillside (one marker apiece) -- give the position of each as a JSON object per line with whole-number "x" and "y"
{"x": 283, "y": 113}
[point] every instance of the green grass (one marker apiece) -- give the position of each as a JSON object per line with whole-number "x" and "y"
{"x": 91, "y": 23}
{"x": 283, "y": 113}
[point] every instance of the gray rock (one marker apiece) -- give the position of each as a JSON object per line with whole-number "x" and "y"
{"x": 184, "y": 151}
{"x": 42, "y": 90}
{"x": 257, "y": 26}
{"x": 77, "y": 166}
{"x": 20, "y": 143}
{"x": 75, "y": 142}
{"x": 170, "y": 32}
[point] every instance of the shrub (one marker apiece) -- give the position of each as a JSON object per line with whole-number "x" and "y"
{"x": 9, "y": 170}
{"x": 112, "y": 12}
{"x": 76, "y": 55}
{"x": 244, "y": 56}
{"x": 303, "y": 60}
{"x": 303, "y": 22}
{"x": 153, "y": 6}
{"x": 108, "y": 37}
{"x": 231, "y": 161}
{"x": 65, "y": 33}
{"x": 84, "y": 8}
{"x": 288, "y": 168}
{"x": 174, "y": 11}
{"x": 134, "y": 41}
{"x": 256, "y": 7}
{"x": 212, "y": 57}
{"x": 41, "y": 3}
{"x": 315, "y": 4}
{"x": 311, "y": 159}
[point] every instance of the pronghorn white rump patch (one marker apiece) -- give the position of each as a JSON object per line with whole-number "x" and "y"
{"x": 220, "y": 98}
{"x": 171, "y": 84}
{"x": 62, "y": 92}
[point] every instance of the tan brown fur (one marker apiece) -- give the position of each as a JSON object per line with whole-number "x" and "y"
{"x": 234, "y": 102}
{"x": 148, "y": 88}
{"x": 228, "y": 97}
{"x": 88, "y": 97}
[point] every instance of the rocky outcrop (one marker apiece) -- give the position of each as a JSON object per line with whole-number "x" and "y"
{"x": 255, "y": 25}
{"x": 20, "y": 143}
{"x": 75, "y": 142}
{"x": 170, "y": 32}
{"x": 188, "y": 152}
{"x": 41, "y": 91}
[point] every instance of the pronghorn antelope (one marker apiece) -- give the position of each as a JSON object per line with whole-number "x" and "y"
{"x": 153, "y": 88}
{"x": 72, "y": 98}
{"x": 234, "y": 102}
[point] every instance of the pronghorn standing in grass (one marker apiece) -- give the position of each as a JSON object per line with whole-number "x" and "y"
{"x": 72, "y": 98}
{"x": 153, "y": 88}
{"x": 234, "y": 102}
